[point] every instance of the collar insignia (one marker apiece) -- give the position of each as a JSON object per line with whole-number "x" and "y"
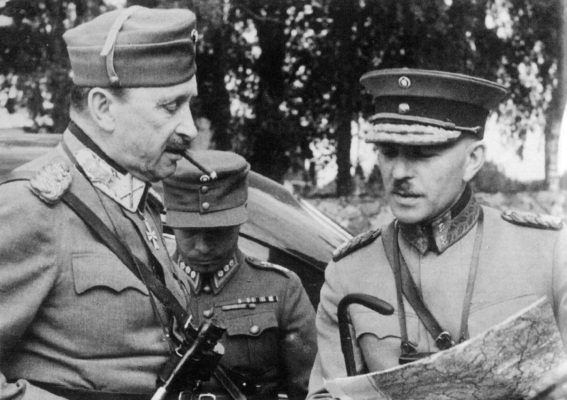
{"x": 444, "y": 231}
{"x": 215, "y": 281}
{"x": 124, "y": 189}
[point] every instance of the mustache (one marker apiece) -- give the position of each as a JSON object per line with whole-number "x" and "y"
{"x": 178, "y": 145}
{"x": 403, "y": 188}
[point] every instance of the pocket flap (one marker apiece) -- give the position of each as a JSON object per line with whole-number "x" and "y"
{"x": 102, "y": 270}
{"x": 251, "y": 325}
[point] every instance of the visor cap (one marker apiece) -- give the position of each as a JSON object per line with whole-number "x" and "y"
{"x": 134, "y": 47}
{"x": 423, "y": 107}
{"x": 194, "y": 199}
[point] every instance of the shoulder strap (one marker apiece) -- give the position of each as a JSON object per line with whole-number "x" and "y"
{"x": 109, "y": 238}
{"x": 406, "y": 284}
{"x": 135, "y": 265}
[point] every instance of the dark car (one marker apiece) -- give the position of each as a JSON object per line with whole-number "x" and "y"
{"x": 282, "y": 228}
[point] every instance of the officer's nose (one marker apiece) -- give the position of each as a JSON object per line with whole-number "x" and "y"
{"x": 202, "y": 244}
{"x": 401, "y": 168}
{"x": 187, "y": 126}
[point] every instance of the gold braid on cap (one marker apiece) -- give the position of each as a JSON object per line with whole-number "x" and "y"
{"x": 417, "y": 131}
{"x": 411, "y": 134}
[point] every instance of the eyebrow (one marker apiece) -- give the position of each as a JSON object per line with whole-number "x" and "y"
{"x": 169, "y": 98}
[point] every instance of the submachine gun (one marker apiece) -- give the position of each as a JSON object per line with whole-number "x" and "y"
{"x": 194, "y": 361}
{"x": 366, "y": 300}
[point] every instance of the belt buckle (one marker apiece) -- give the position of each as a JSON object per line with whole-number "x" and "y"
{"x": 207, "y": 396}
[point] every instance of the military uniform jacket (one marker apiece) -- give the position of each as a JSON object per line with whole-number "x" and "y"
{"x": 517, "y": 265}
{"x": 71, "y": 314}
{"x": 270, "y": 342}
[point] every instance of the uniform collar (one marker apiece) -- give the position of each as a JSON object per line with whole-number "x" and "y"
{"x": 214, "y": 282}
{"x": 439, "y": 234}
{"x": 107, "y": 175}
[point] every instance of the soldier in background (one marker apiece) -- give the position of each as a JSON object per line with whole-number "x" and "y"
{"x": 75, "y": 322}
{"x": 455, "y": 254}
{"x": 270, "y": 339}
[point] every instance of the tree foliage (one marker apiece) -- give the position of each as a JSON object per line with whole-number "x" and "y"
{"x": 279, "y": 77}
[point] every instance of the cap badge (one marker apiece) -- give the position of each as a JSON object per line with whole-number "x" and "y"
{"x": 404, "y": 82}
{"x": 403, "y": 108}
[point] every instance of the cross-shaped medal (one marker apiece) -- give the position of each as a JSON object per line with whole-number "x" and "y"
{"x": 150, "y": 233}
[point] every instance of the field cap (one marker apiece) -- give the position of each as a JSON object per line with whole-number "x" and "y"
{"x": 134, "y": 47}
{"x": 195, "y": 199}
{"x": 423, "y": 107}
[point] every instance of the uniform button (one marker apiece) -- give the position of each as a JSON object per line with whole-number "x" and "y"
{"x": 232, "y": 263}
{"x": 207, "y": 289}
{"x": 193, "y": 274}
{"x": 220, "y": 274}
{"x": 226, "y": 268}
{"x": 188, "y": 270}
{"x": 403, "y": 108}
{"x": 205, "y": 178}
{"x": 205, "y": 206}
{"x": 254, "y": 329}
{"x": 204, "y": 189}
{"x": 208, "y": 313}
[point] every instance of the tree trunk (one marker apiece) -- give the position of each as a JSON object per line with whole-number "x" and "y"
{"x": 556, "y": 108}
{"x": 344, "y": 15}
{"x": 344, "y": 140}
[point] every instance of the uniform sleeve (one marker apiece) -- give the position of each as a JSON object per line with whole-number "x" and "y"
{"x": 559, "y": 281}
{"x": 329, "y": 363}
{"x": 28, "y": 270}
{"x": 299, "y": 338}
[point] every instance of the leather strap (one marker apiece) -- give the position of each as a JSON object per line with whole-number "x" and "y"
{"x": 135, "y": 265}
{"x": 406, "y": 285}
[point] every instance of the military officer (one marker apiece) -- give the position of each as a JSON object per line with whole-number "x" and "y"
{"x": 457, "y": 254}
{"x": 270, "y": 338}
{"x": 75, "y": 322}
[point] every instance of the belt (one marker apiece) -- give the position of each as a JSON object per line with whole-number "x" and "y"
{"x": 78, "y": 394}
{"x": 204, "y": 396}
{"x": 225, "y": 396}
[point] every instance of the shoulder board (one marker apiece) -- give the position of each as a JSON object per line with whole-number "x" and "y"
{"x": 356, "y": 243}
{"x": 52, "y": 181}
{"x": 155, "y": 200}
{"x": 268, "y": 265}
{"x": 532, "y": 220}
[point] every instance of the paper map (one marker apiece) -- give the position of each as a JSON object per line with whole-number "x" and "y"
{"x": 501, "y": 363}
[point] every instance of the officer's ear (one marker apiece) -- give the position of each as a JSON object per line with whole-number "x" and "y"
{"x": 476, "y": 155}
{"x": 100, "y": 103}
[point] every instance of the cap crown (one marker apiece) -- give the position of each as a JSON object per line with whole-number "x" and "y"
{"x": 416, "y": 106}
{"x": 194, "y": 199}
{"x": 144, "y": 47}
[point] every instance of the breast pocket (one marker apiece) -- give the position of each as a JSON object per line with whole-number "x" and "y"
{"x": 104, "y": 272}
{"x": 252, "y": 341}
{"x": 105, "y": 303}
